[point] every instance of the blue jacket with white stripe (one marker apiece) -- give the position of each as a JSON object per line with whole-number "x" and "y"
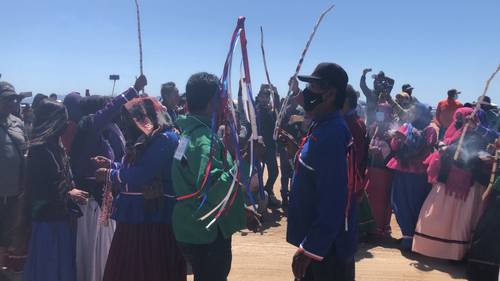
{"x": 317, "y": 214}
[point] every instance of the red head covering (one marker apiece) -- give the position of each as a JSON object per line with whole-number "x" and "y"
{"x": 143, "y": 111}
{"x": 452, "y": 133}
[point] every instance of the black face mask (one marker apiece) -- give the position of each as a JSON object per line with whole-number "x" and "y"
{"x": 311, "y": 100}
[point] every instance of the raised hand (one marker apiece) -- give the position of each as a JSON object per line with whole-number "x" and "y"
{"x": 140, "y": 83}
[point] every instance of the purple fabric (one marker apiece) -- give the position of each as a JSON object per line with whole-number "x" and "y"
{"x": 115, "y": 137}
{"x": 90, "y": 142}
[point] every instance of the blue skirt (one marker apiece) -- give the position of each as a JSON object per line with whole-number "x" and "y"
{"x": 51, "y": 254}
{"x": 408, "y": 194}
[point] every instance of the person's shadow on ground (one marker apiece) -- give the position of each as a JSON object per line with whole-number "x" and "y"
{"x": 271, "y": 218}
{"x": 456, "y": 269}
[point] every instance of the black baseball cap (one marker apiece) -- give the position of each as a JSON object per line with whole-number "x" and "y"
{"x": 407, "y": 87}
{"x": 7, "y": 90}
{"x": 453, "y": 91}
{"x": 328, "y": 73}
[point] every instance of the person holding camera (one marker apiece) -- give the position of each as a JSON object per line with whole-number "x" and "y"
{"x": 381, "y": 84}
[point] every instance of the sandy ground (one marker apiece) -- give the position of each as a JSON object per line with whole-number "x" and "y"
{"x": 266, "y": 256}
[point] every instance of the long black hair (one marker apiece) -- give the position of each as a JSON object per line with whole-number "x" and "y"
{"x": 51, "y": 118}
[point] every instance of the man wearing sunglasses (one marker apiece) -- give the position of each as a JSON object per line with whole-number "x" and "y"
{"x": 321, "y": 221}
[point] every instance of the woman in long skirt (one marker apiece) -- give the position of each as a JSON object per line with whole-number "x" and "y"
{"x": 379, "y": 177}
{"x": 143, "y": 247}
{"x": 51, "y": 198}
{"x": 412, "y": 143}
{"x": 95, "y": 135}
{"x": 454, "y": 206}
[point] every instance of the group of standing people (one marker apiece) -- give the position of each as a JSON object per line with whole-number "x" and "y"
{"x": 434, "y": 182}
{"x": 123, "y": 188}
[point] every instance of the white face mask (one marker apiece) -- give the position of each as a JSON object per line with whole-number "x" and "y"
{"x": 380, "y": 116}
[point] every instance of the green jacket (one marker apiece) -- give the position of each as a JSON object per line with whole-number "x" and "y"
{"x": 187, "y": 175}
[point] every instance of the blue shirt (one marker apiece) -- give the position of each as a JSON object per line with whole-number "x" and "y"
{"x": 319, "y": 193}
{"x": 155, "y": 163}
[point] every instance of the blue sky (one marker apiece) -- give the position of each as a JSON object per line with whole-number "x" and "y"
{"x": 61, "y": 46}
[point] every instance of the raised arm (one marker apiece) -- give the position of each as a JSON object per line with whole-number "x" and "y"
{"x": 105, "y": 116}
{"x": 362, "y": 84}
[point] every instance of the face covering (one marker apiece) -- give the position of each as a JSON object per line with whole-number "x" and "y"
{"x": 311, "y": 100}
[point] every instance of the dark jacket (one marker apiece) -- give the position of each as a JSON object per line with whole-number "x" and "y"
{"x": 47, "y": 185}
{"x": 319, "y": 193}
{"x": 90, "y": 142}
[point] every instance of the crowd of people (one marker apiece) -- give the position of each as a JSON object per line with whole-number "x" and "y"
{"x": 114, "y": 188}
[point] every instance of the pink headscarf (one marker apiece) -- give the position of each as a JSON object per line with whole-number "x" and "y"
{"x": 453, "y": 133}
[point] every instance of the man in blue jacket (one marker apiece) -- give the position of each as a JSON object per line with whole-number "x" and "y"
{"x": 321, "y": 219}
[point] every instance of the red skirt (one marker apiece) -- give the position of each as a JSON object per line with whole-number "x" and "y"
{"x": 144, "y": 252}
{"x": 378, "y": 188}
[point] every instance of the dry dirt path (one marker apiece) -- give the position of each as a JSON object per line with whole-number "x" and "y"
{"x": 267, "y": 257}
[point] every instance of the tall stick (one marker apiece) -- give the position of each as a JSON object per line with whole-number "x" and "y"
{"x": 493, "y": 173}
{"x": 478, "y": 106}
{"x": 297, "y": 69}
{"x": 139, "y": 36}
{"x": 266, "y": 70}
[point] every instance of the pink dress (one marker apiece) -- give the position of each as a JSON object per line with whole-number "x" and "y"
{"x": 445, "y": 224}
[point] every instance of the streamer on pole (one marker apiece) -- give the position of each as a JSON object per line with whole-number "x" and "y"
{"x": 224, "y": 115}
{"x": 478, "y": 106}
{"x": 297, "y": 69}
